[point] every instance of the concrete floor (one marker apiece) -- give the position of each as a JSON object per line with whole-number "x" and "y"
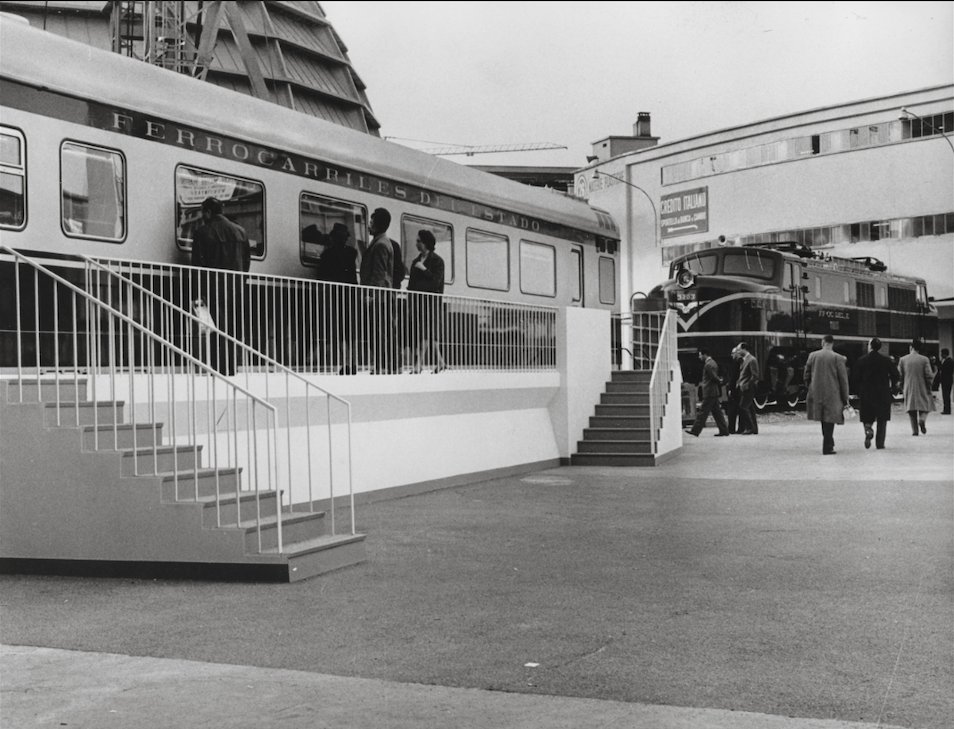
{"x": 750, "y": 582}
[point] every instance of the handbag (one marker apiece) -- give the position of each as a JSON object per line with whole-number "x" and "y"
{"x": 850, "y": 412}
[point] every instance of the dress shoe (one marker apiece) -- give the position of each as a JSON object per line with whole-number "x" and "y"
{"x": 746, "y": 432}
{"x": 829, "y": 453}
{"x": 869, "y": 434}
{"x": 687, "y": 430}
{"x": 880, "y": 448}
{"x": 721, "y": 435}
{"x": 923, "y": 427}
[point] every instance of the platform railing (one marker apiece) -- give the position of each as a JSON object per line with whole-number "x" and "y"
{"x": 63, "y": 331}
{"x": 666, "y": 358}
{"x": 330, "y": 328}
{"x": 288, "y": 390}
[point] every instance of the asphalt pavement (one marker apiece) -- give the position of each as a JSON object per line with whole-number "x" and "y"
{"x": 749, "y": 582}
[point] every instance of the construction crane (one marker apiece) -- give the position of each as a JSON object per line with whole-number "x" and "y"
{"x": 471, "y": 150}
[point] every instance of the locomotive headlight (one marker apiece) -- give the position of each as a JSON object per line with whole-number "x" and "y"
{"x": 684, "y": 278}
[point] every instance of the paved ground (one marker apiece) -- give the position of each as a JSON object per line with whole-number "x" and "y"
{"x": 751, "y": 582}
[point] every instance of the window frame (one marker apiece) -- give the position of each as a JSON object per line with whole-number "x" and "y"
{"x": 506, "y": 238}
{"x": 552, "y": 248}
{"x": 576, "y": 251}
{"x": 175, "y": 179}
{"x": 15, "y": 170}
{"x": 355, "y": 244}
{"x": 125, "y": 201}
{"x": 612, "y": 261}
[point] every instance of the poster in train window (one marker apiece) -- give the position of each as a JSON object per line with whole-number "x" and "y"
{"x": 488, "y": 260}
{"x": 243, "y": 202}
{"x": 92, "y": 192}
{"x": 443, "y": 237}
{"x": 537, "y": 269}
{"x": 317, "y": 218}
{"x": 12, "y": 180}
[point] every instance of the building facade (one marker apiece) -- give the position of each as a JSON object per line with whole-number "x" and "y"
{"x": 867, "y": 178}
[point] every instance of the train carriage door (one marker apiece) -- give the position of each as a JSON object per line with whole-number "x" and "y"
{"x": 575, "y": 277}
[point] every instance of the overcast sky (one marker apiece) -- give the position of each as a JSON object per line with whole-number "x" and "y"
{"x": 570, "y": 73}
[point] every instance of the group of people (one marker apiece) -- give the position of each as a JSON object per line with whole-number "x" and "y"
{"x": 382, "y": 268}
{"x": 876, "y": 379}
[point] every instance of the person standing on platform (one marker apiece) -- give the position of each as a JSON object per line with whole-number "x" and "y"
{"x": 711, "y": 387}
{"x": 338, "y": 264}
{"x": 219, "y": 244}
{"x": 916, "y": 379}
{"x": 945, "y": 378}
{"x": 746, "y": 385}
{"x": 427, "y": 309}
{"x": 377, "y": 271}
{"x": 876, "y": 378}
{"x": 826, "y": 377}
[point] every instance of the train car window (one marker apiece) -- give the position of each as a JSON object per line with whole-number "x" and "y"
{"x": 901, "y": 299}
{"x": 537, "y": 269}
{"x": 487, "y": 260}
{"x": 704, "y": 264}
{"x": 882, "y": 297}
{"x": 443, "y": 235}
{"x": 243, "y": 202}
{"x": 607, "y": 280}
{"x": 12, "y": 179}
{"x": 818, "y": 287}
{"x": 846, "y": 291}
{"x": 92, "y": 192}
{"x": 865, "y": 293}
{"x": 750, "y": 264}
{"x": 317, "y": 215}
{"x": 576, "y": 274}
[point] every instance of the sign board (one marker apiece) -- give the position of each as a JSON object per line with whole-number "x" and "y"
{"x": 682, "y": 213}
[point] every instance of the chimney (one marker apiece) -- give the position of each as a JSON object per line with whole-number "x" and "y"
{"x": 641, "y": 127}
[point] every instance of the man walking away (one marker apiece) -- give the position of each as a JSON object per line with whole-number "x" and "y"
{"x": 876, "y": 378}
{"x": 711, "y": 394}
{"x": 916, "y": 378}
{"x": 826, "y": 378}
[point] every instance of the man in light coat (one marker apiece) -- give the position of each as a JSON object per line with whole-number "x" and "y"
{"x": 746, "y": 384}
{"x": 826, "y": 378}
{"x": 916, "y": 378}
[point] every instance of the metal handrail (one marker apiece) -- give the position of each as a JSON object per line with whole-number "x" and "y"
{"x": 169, "y": 308}
{"x": 169, "y": 353}
{"x": 662, "y": 363}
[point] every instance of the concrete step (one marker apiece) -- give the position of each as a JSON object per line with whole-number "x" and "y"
{"x": 624, "y": 398}
{"x": 631, "y": 376}
{"x": 105, "y": 412}
{"x": 108, "y": 437}
{"x": 615, "y": 446}
{"x": 45, "y": 389}
{"x": 323, "y": 554}
{"x": 173, "y": 489}
{"x": 162, "y": 459}
{"x": 612, "y": 459}
{"x": 631, "y": 386}
{"x": 295, "y": 528}
{"x": 225, "y": 512}
{"x": 596, "y": 434}
{"x": 629, "y": 411}
{"x": 619, "y": 421}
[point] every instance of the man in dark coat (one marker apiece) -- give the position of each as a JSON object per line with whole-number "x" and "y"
{"x": 220, "y": 245}
{"x": 711, "y": 395}
{"x": 338, "y": 264}
{"x": 945, "y": 377}
{"x": 826, "y": 377}
{"x": 876, "y": 378}
{"x": 748, "y": 381}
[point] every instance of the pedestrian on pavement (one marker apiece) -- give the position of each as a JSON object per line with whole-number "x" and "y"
{"x": 711, "y": 395}
{"x": 916, "y": 379}
{"x": 747, "y": 383}
{"x": 945, "y": 378}
{"x": 826, "y": 377}
{"x": 876, "y": 379}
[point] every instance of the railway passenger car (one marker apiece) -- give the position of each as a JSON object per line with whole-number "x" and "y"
{"x": 781, "y": 299}
{"x": 111, "y": 157}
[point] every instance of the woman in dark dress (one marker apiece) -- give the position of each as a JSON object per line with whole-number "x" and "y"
{"x": 427, "y": 311}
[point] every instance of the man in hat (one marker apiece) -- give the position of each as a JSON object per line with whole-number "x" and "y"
{"x": 746, "y": 384}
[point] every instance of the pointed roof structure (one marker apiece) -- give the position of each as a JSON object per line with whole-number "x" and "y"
{"x": 284, "y": 52}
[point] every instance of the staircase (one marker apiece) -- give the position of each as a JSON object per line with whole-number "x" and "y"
{"x": 84, "y": 491}
{"x": 619, "y": 432}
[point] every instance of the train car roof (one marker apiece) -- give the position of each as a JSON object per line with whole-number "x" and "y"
{"x": 48, "y": 61}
